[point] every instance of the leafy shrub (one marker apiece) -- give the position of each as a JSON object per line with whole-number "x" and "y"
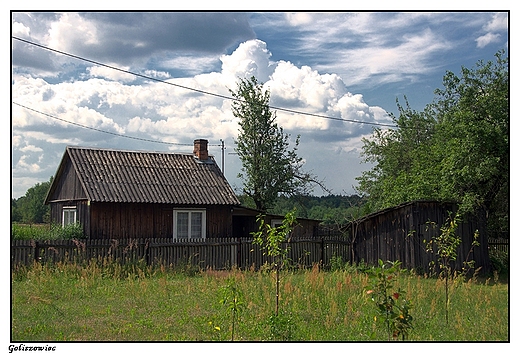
{"x": 46, "y": 232}
{"x": 70, "y": 231}
{"x": 499, "y": 260}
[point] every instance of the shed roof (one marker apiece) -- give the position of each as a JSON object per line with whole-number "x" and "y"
{"x": 108, "y": 175}
{"x": 400, "y": 206}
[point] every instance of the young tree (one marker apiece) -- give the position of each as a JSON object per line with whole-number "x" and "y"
{"x": 269, "y": 167}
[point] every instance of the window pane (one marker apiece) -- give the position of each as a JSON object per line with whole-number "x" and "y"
{"x": 69, "y": 216}
{"x": 182, "y": 224}
{"x": 196, "y": 225}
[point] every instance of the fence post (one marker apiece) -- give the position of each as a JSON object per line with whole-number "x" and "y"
{"x": 239, "y": 253}
{"x": 147, "y": 253}
{"x": 36, "y": 252}
{"x": 322, "y": 251}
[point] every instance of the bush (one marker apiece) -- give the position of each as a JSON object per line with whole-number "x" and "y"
{"x": 70, "y": 231}
{"x": 499, "y": 260}
{"x": 46, "y": 231}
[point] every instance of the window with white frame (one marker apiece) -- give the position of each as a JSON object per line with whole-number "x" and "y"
{"x": 69, "y": 215}
{"x": 189, "y": 224}
{"x": 276, "y": 223}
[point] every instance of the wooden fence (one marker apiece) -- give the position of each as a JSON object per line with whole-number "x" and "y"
{"x": 499, "y": 244}
{"x": 219, "y": 253}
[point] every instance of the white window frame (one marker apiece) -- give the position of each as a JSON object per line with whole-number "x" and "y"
{"x": 190, "y": 212}
{"x": 275, "y": 223}
{"x": 66, "y": 210}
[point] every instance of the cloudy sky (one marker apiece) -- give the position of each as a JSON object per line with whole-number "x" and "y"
{"x": 157, "y": 81}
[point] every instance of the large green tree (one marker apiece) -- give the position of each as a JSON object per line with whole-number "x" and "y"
{"x": 457, "y": 149}
{"x": 30, "y": 208}
{"x": 270, "y": 167}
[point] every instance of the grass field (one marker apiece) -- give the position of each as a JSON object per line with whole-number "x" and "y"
{"x": 110, "y": 303}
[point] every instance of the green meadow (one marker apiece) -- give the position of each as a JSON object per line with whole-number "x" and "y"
{"x": 108, "y": 302}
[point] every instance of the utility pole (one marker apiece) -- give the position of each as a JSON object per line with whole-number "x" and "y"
{"x": 223, "y": 148}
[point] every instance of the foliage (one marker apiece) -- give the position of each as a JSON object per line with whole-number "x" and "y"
{"x": 232, "y": 297}
{"x": 331, "y": 209}
{"x": 457, "y": 149}
{"x": 499, "y": 260}
{"x": 30, "y": 208}
{"x": 46, "y": 232}
{"x": 281, "y": 326}
{"x": 269, "y": 166}
{"x": 392, "y": 307}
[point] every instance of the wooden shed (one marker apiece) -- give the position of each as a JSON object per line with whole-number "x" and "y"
{"x": 401, "y": 232}
{"x": 245, "y": 222}
{"x": 118, "y": 194}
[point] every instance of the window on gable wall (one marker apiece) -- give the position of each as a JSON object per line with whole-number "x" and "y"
{"x": 276, "y": 223}
{"x": 189, "y": 224}
{"x": 69, "y": 215}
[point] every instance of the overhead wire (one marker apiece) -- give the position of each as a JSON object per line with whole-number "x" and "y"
{"x": 199, "y": 90}
{"x": 99, "y": 130}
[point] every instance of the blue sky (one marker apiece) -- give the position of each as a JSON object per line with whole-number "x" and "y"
{"x": 351, "y": 66}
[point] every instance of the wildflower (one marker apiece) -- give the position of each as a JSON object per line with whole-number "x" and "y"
{"x": 370, "y": 291}
{"x": 396, "y": 295}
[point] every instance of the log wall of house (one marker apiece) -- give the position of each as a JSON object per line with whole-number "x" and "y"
{"x": 143, "y": 220}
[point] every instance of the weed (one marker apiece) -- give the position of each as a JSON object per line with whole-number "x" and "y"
{"x": 281, "y": 326}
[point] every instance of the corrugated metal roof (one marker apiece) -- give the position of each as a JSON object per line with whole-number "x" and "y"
{"x": 150, "y": 177}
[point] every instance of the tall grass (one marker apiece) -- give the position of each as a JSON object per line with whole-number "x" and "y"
{"x": 109, "y": 302}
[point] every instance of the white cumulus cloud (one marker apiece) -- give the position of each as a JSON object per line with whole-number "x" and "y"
{"x": 172, "y": 113}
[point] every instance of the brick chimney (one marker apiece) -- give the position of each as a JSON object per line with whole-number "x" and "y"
{"x": 200, "y": 149}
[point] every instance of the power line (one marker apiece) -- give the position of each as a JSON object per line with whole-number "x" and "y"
{"x": 198, "y": 90}
{"x": 103, "y": 131}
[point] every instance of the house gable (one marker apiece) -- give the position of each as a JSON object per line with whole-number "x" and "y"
{"x": 66, "y": 185}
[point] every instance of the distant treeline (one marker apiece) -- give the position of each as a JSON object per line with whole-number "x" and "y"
{"x": 331, "y": 209}
{"x": 30, "y": 208}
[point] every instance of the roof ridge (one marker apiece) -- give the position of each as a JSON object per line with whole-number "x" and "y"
{"x": 131, "y": 151}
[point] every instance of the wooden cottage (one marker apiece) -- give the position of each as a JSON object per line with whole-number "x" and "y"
{"x": 116, "y": 194}
{"x": 401, "y": 233}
